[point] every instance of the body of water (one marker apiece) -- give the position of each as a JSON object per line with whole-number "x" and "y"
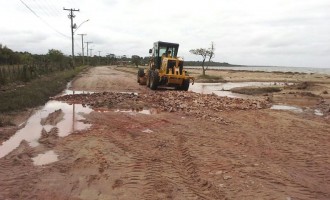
{"x": 269, "y": 69}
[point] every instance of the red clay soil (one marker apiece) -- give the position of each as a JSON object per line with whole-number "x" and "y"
{"x": 191, "y": 146}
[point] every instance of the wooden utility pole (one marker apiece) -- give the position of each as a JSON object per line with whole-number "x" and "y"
{"x": 87, "y": 52}
{"x": 73, "y": 26}
{"x": 82, "y": 47}
{"x": 91, "y": 52}
{"x": 99, "y": 57}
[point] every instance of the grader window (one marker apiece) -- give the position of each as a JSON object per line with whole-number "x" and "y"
{"x": 162, "y": 51}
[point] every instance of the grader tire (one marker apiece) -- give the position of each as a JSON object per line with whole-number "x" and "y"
{"x": 140, "y": 74}
{"x": 148, "y": 79}
{"x": 154, "y": 80}
{"x": 185, "y": 84}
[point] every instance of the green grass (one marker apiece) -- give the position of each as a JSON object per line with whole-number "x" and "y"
{"x": 36, "y": 92}
{"x": 255, "y": 90}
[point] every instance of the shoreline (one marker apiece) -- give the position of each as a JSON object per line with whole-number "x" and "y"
{"x": 309, "y": 70}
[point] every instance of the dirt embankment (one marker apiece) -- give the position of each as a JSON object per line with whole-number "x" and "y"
{"x": 193, "y": 147}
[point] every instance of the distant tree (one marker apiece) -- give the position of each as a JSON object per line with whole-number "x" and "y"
{"x": 204, "y": 53}
{"x": 7, "y": 56}
{"x": 25, "y": 58}
{"x": 136, "y": 60}
{"x": 201, "y": 52}
{"x": 146, "y": 60}
{"x": 112, "y": 59}
{"x": 124, "y": 58}
{"x": 55, "y": 55}
{"x": 211, "y": 51}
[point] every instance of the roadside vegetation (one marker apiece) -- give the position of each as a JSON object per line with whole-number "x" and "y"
{"x": 36, "y": 92}
{"x": 28, "y": 80}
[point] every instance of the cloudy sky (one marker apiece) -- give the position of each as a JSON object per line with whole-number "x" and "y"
{"x": 249, "y": 32}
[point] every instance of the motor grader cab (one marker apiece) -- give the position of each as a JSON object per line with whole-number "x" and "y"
{"x": 165, "y": 68}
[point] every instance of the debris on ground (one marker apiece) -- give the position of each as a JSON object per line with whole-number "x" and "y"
{"x": 202, "y": 106}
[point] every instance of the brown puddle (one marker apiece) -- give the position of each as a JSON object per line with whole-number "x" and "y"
{"x": 45, "y": 158}
{"x": 71, "y": 121}
{"x": 297, "y": 109}
{"x": 286, "y": 107}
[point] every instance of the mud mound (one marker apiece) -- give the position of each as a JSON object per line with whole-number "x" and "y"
{"x": 49, "y": 138}
{"x": 203, "y": 106}
{"x": 105, "y": 99}
{"x": 22, "y": 154}
{"x": 53, "y": 118}
{"x": 165, "y": 100}
{"x": 6, "y": 133}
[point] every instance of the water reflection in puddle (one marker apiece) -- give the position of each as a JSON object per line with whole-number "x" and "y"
{"x": 285, "y": 107}
{"x": 222, "y": 89}
{"x": 134, "y": 112}
{"x": 32, "y": 130}
{"x": 69, "y": 90}
{"x": 318, "y": 112}
{"x": 45, "y": 158}
{"x": 147, "y": 131}
{"x": 296, "y": 109}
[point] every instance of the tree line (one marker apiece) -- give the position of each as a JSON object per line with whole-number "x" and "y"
{"x": 24, "y": 66}
{"x": 206, "y": 63}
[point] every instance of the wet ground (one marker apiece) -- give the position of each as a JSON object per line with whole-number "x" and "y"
{"x": 127, "y": 142}
{"x": 72, "y": 121}
{"x": 223, "y": 89}
{"x": 45, "y": 158}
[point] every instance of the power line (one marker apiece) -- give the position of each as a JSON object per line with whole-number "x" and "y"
{"x": 43, "y": 11}
{"x": 45, "y": 4}
{"x": 53, "y": 7}
{"x": 44, "y": 21}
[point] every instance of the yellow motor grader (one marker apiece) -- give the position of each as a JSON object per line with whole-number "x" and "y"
{"x": 165, "y": 68}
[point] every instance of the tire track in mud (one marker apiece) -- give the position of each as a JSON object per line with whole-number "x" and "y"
{"x": 134, "y": 167}
{"x": 163, "y": 173}
{"x": 164, "y": 167}
{"x": 309, "y": 178}
{"x": 204, "y": 189}
{"x": 254, "y": 160}
{"x": 14, "y": 177}
{"x": 290, "y": 168}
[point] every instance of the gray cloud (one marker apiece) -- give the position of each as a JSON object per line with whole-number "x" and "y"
{"x": 275, "y": 32}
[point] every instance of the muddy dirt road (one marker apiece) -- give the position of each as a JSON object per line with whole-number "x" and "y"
{"x": 171, "y": 145}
